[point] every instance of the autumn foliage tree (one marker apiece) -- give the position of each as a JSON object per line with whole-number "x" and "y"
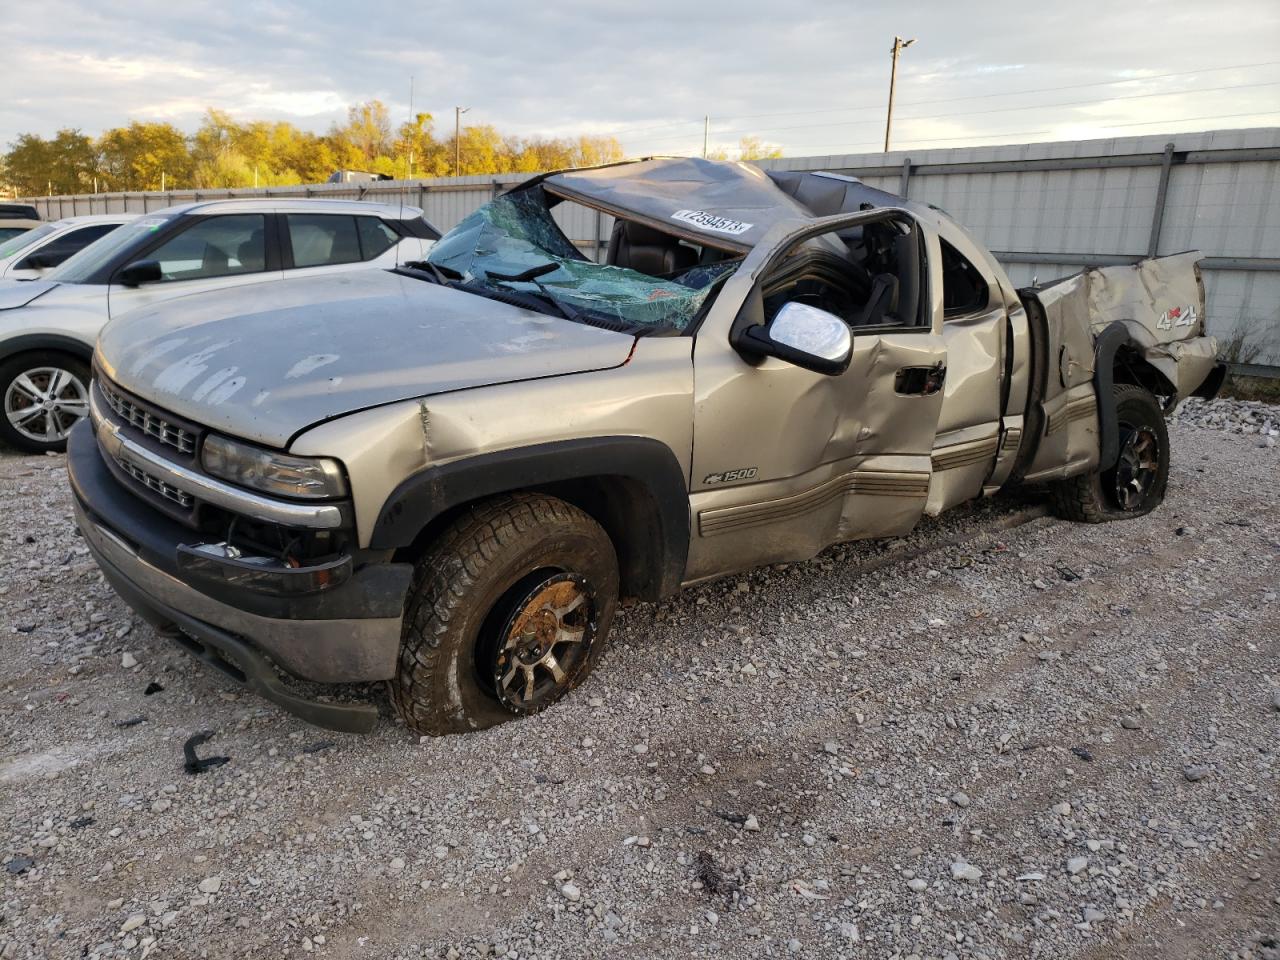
{"x": 224, "y": 152}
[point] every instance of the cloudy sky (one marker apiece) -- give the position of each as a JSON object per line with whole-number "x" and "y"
{"x": 806, "y": 75}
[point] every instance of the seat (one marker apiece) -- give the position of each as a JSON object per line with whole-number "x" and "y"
{"x": 252, "y": 253}
{"x": 646, "y": 250}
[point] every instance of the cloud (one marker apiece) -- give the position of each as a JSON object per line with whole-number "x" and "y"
{"x": 810, "y": 75}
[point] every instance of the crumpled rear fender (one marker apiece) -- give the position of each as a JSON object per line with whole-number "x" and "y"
{"x": 1162, "y": 306}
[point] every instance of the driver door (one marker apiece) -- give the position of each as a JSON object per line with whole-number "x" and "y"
{"x": 787, "y": 461}
{"x": 213, "y": 253}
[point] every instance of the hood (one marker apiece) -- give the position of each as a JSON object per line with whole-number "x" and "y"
{"x": 18, "y": 293}
{"x": 265, "y": 361}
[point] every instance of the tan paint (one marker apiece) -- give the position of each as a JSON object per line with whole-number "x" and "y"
{"x": 649, "y": 396}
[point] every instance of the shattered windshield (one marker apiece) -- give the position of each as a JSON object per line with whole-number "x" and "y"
{"x": 513, "y": 244}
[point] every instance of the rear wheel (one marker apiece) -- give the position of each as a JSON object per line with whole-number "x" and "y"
{"x": 1136, "y": 484}
{"x": 44, "y": 394}
{"x": 508, "y": 612}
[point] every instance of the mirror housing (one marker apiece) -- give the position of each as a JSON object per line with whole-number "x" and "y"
{"x": 801, "y": 335}
{"x": 140, "y": 272}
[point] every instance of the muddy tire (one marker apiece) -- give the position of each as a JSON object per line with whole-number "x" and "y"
{"x": 43, "y": 394}
{"x": 507, "y": 612}
{"x": 1136, "y": 484}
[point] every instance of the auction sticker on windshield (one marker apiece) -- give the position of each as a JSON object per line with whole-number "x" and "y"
{"x": 709, "y": 221}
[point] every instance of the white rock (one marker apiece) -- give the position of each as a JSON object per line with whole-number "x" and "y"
{"x": 1077, "y": 864}
{"x": 1062, "y": 809}
{"x": 751, "y": 823}
{"x": 571, "y": 892}
{"x": 965, "y": 871}
{"x": 397, "y": 864}
{"x": 210, "y": 884}
{"x": 441, "y": 852}
{"x": 128, "y": 660}
{"x": 161, "y": 805}
{"x": 918, "y": 884}
{"x": 133, "y": 923}
{"x": 850, "y": 932}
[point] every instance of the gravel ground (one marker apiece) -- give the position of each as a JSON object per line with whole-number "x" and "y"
{"x": 1004, "y": 736}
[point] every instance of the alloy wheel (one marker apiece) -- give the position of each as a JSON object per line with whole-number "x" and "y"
{"x": 544, "y": 641}
{"x": 44, "y": 403}
{"x": 1137, "y": 467}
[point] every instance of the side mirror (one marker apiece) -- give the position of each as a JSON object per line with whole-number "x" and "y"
{"x": 140, "y": 272}
{"x": 802, "y": 335}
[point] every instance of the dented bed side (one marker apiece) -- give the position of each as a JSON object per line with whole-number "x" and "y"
{"x": 1158, "y": 303}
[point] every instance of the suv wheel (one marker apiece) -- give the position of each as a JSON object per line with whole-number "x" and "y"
{"x": 44, "y": 396}
{"x": 1136, "y": 484}
{"x": 507, "y": 612}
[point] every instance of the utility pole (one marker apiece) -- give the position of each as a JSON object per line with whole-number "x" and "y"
{"x": 898, "y": 46}
{"x": 706, "y": 132}
{"x": 457, "y": 139}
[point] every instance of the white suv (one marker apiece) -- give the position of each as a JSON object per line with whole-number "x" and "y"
{"x": 48, "y": 326}
{"x": 31, "y": 255}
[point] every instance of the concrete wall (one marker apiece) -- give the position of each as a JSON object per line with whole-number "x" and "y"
{"x": 1046, "y": 209}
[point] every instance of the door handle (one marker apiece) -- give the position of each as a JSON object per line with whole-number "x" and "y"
{"x": 920, "y": 381}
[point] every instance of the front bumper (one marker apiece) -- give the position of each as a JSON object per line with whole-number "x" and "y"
{"x": 350, "y": 633}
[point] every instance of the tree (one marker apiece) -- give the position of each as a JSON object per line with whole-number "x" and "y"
{"x": 368, "y": 130}
{"x": 145, "y": 156}
{"x": 62, "y": 165}
{"x": 753, "y": 148}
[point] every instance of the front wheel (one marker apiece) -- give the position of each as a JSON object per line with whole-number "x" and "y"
{"x": 1136, "y": 484}
{"x": 508, "y": 612}
{"x": 45, "y": 394}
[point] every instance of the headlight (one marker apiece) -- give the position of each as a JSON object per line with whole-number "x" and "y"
{"x": 271, "y": 472}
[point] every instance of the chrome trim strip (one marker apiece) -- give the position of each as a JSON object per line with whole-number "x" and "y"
{"x": 114, "y": 444}
{"x": 964, "y": 454}
{"x": 872, "y": 483}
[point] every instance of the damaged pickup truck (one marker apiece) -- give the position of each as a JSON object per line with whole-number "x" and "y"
{"x": 445, "y": 476}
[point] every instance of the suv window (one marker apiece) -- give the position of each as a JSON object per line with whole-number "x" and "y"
{"x": 319, "y": 240}
{"x": 217, "y": 247}
{"x": 73, "y": 241}
{"x": 963, "y": 289}
{"x": 376, "y": 238}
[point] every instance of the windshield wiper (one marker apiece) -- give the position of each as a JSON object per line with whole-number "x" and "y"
{"x": 524, "y": 276}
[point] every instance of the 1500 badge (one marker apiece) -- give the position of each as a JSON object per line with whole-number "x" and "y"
{"x": 729, "y": 476}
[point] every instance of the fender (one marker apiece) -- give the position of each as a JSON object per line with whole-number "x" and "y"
{"x": 1109, "y": 341}
{"x": 656, "y": 511}
{"x": 46, "y": 341}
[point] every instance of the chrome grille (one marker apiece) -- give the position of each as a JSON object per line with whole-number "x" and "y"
{"x": 182, "y": 440}
{"x": 166, "y": 490}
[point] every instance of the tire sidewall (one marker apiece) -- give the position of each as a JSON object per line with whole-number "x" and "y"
{"x": 456, "y": 684}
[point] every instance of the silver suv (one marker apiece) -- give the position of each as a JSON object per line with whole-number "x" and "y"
{"x": 48, "y": 326}
{"x": 445, "y": 476}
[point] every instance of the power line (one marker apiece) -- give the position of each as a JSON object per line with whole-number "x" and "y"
{"x": 849, "y": 147}
{"x": 632, "y": 129}
{"x": 970, "y": 113}
{"x": 1008, "y": 93}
